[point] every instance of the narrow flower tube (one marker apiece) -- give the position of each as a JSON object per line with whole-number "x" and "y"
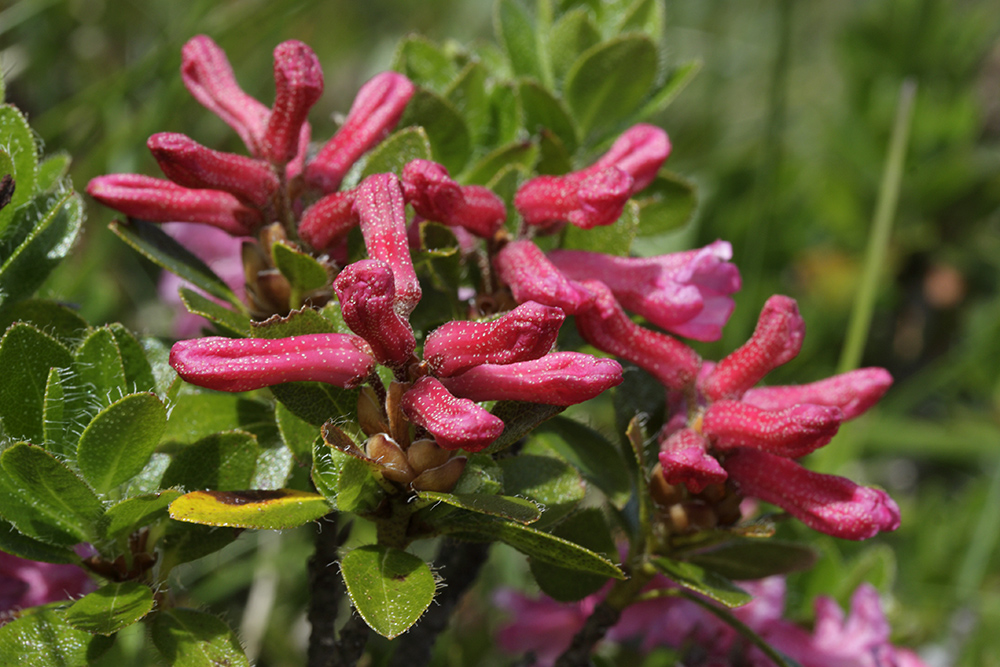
{"x": 525, "y": 333}
{"x": 853, "y": 392}
{"x": 606, "y": 326}
{"x": 367, "y": 302}
{"x": 559, "y": 378}
{"x": 209, "y": 78}
{"x": 298, "y": 80}
{"x": 455, "y": 423}
{"x": 596, "y": 199}
{"x": 326, "y": 223}
{"x": 640, "y": 152}
{"x": 685, "y": 460}
{"x": 792, "y": 432}
{"x": 379, "y": 205}
{"x": 832, "y": 505}
{"x": 776, "y": 341}
{"x": 158, "y": 200}
{"x": 376, "y": 111}
{"x": 191, "y": 165}
{"x": 532, "y": 277}
{"x": 435, "y": 196}
{"x": 241, "y": 364}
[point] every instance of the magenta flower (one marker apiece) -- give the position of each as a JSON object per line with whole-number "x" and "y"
{"x": 455, "y": 423}
{"x": 532, "y": 277}
{"x": 326, "y": 223}
{"x": 28, "y": 583}
{"x": 435, "y": 196}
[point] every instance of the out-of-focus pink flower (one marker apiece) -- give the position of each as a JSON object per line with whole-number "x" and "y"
{"x": 640, "y": 151}
{"x": 456, "y": 423}
{"x": 540, "y": 625}
{"x": 686, "y": 293}
{"x": 368, "y": 303}
{"x": 435, "y": 196}
{"x": 376, "y": 110}
{"x": 28, "y": 583}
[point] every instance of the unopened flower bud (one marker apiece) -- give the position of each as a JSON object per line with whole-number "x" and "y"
{"x": 367, "y": 303}
{"x": 383, "y": 450}
{"x": 685, "y": 460}
{"x": 532, "y": 277}
{"x": 375, "y": 112}
{"x": 792, "y": 432}
{"x": 442, "y": 478}
{"x": 327, "y": 222}
{"x": 425, "y": 454}
{"x": 596, "y": 199}
{"x": 853, "y": 392}
{"x": 525, "y": 333}
{"x": 435, "y": 196}
{"x": 189, "y": 164}
{"x": 776, "y": 340}
{"x": 298, "y": 80}
{"x": 158, "y": 200}
{"x": 455, "y": 423}
{"x": 241, "y": 364}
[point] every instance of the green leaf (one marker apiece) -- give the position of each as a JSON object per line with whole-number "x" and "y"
{"x": 747, "y": 559}
{"x": 504, "y": 185}
{"x": 572, "y": 34}
{"x": 390, "y": 588}
{"x": 110, "y": 608}
{"x": 157, "y": 246}
{"x": 481, "y": 475}
{"x": 468, "y": 93}
{"x": 506, "y": 116}
{"x": 54, "y": 224}
{"x": 451, "y": 144}
{"x": 18, "y": 143}
{"x": 297, "y": 434}
{"x": 296, "y": 323}
{"x": 646, "y": 16}
{"x": 534, "y": 543}
{"x": 116, "y": 445}
{"x": 60, "y": 503}
{"x": 303, "y": 272}
{"x": 317, "y": 402}
{"x": 591, "y": 453}
{"x": 43, "y": 638}
{"x": 346, "y": 481}
{"x": 515, "y": 31}
{"x": 189, "y": 638}
{"x": 200, "y": 415}
{"x": 221, "y": 461}
{"x": 596, "y": 92}
{"x": 138, "y": 371}
{"x": 99, "y": 367}
{"x": 17, "y": 544}
{"x": 553, "y": 157}
{"x": 519, "y": 419}
{"x": 589, "y": 529}
{"x": 266, "y": 510}
{"x": 521, "y": 153}
{"x": 424, "y": 63}
{"x": 507, "y": 507}
{"x": 26, "y": 355}
{"x": 185, "y": 542}
{"x": 677, "y": 81}
{"x": 397, "y": 151}
{"x": 543, "y": 110}
{"x": 133, "y": 513}
{"x": 227, "y": 320}
{"x": 706, "y": 582}
{"x": 553, "y": 484}
{"x": 666, "y": 205}
{"x": 53, "y": 169}
{"x": 57, "y": 436}
{"x": 56, "y": 319}
{"x": 615, "y": 239}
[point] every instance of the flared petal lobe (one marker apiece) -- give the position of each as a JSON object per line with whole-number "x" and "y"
{"x": 853, "y": 392}
{"x": 640, "y": 152}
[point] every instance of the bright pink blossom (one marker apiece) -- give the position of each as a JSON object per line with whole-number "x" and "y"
{"x": 640, "y": 151}
{"x": 594, "y": 200}
{"x": 792, "y": 432}
{"x": 532, "y": 277}
{"x": 435, "y": 196}
{"x": 326, "y": 223}
{"x": 455, "y": 423}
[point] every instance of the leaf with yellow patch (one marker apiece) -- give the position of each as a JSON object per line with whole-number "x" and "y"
{"x": 268, "y": 510}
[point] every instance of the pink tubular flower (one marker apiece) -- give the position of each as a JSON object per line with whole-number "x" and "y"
{"x": 832, "y": 505}
{"x": 595, "y": 200}
{"x": 189, "y": 164}
{"x": 28, "y": 583}
{"x": 532, "y": 277}
{"x": 376, "y": 110}
{"x": 792, "y": 432}
{"x": 559, "y": 378}
{"x": 326, "y": 223}
{"x": 380, "y": 209}
{"x": 686, "y": 293}
{"x": 209, "y": 78}
{"x": 367, "y": 302}
{"x": 157, "y": 200}
{"x": 525, "y": 333}
{"x": 234, "y": 364}
{"x": 606, "y": 326}
{"x": 298, "y": 80}
{"x": 776, "y": 341}
{"x": 435, "y": 196}
{"x": 685, "y": 460}
{"x": 853, "y": 392}
{"x": 455, "y": 423}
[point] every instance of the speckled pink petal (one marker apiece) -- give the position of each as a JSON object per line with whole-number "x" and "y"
{"x": 367, "y": 302}
{"x": 606, "y": 326}
{"x": 558, "y": 378}
{"x": 191, "y": 165}
{"x": 379, "y": 205}
{"x": 159, "y": 200}
{"x": 685, "y": 460}
{"x": 588, "y": 200}
{"x": 209, "y": 78}
{"x": 792, "y": 432}
{"x": 853, "y": 392}
{"x": 640, "y": 151}
{"x": 527, "y": 332}
{"x": 455, "y": 423}
{"x": 532, "y": 277}
{"x": 776, "y": 340}
{"x": 241, "y": 364}
{"x": 326, "y": 223}
{"x": 832, "y": 505}
{"x": 436, "y": 196}
{"x": 298, "y": 81}
{"x": 376, "y": 110}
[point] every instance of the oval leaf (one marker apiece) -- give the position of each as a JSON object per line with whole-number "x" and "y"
{"x": 397, "y": 151}
{"x": 589, "y": 529}
{"x": 390, "y": 588}
{"x": 703, "y": 581}
{"x": 42, "y": 638}
{"x": 507, "y": 507}
{"x": 755, "y": 559}
{"x": 550, "y": 482}
{"x": 189, "y": 638}
{"x": 267, "y": 510}
{"x": 131, "y": 514}
{"x": 110, "y": 608}
{"x": 591, "y": 453}
{"x": 26, "y": 355}
{"x": 451, "y": 144}
{"x": 118, "y": 443}
{"x": 226, "y": 320}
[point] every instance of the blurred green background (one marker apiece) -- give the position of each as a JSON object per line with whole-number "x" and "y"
{"x": 785, "y": 131}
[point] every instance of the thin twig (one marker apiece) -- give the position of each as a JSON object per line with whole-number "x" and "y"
{"x": 578, "y": 654}
{"x": 324, "y": 584}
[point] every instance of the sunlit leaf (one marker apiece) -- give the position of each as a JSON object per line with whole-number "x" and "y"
{"x": 390, "y": 588}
